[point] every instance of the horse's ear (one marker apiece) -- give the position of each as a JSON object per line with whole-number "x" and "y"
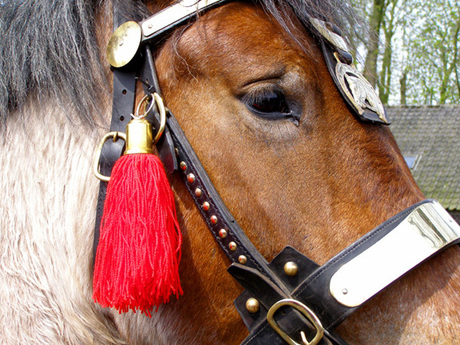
{"x": 139, "y": 249}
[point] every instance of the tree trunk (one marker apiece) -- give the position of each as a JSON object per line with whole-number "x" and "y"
{"x": 403, "y": 86}
{"x": 376, "y": 19}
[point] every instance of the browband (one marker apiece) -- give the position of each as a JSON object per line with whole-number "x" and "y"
{"x": 287, "y": 305}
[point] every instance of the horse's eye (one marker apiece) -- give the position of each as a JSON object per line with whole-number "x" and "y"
{"x": 268, "y": 103}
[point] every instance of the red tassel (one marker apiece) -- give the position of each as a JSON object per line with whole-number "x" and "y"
{"x": 139, "y": 248}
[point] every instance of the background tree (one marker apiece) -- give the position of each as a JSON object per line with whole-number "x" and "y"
{"x": 414, "y": 57}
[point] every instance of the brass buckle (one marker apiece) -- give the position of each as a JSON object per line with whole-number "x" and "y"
{"x": 97, "y": 158}
{"x": 306, "y": 312}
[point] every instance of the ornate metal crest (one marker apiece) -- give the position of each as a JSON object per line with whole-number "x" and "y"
{"x": 358, "y": 90}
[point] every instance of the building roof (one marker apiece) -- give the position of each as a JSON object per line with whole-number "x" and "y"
{"x": 429, "y": 137}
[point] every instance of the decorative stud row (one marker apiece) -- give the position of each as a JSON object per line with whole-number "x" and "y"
{"x": 206, "y": 206}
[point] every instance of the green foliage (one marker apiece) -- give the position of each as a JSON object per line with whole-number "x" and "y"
{"x": 418, "y": 49}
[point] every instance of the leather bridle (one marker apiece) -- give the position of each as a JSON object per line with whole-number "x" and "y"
{"x": 291, "y": 299}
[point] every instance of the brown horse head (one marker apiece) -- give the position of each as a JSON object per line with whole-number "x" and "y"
{"x": 293, "y": 164}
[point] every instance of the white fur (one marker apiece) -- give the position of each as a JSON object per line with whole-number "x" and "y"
{"x": 46, "y": 228}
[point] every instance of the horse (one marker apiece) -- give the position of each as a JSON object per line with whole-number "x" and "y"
{"x": 248, "y": 84}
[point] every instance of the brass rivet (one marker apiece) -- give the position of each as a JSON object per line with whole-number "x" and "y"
{"x": 252, "y": 305}
{"x": 291, "y": 268}
{"x": 183, "y": 165}
{"x": 242, "y": 259}
{"x": 198, "y": 192}
{"x": 191, "y": 178}
{"x": 222, "y": 233}
{"x": 213, "y": 219}
{"x": 345, "y": 291}
{"x": 206, "y": 206}
{"x": 232, "y": 246}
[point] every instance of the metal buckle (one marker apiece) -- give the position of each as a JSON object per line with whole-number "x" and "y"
{"x": 306, "y": 312}
{"x": 115, "y": 136}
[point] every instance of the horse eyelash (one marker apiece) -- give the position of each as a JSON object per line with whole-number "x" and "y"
{"x": 261, "y": 94}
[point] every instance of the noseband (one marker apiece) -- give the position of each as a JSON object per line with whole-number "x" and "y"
{"x": 291, "y": 299}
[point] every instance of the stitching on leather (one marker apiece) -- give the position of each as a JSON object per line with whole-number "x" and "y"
{"x": 255, "y": 334}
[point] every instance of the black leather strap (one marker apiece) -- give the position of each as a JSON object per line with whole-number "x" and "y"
{"x": 149, "y": 79}
{"x": 124, "y": 84}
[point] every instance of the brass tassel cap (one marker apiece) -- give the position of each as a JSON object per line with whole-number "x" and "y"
{"x": 139, "y": 137}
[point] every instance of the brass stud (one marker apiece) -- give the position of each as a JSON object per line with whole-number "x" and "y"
{"x": 242, "y": 259}
{"x": 232, "y": 246}
{"x": 252, "y": 305}
{"x": 206, "y": 206}
{"x": 291, "y": 268}
{"x": 191, "y": 178}
{"x": 213, "y": 219}
{"x": 183, "y": 165}
{"x": 198, "y": 192}
{"x": 222, "y": 233}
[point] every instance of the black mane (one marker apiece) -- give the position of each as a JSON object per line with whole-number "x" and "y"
{"x": 49, "y": 48}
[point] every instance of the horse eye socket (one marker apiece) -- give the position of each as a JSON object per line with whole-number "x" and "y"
{"x": 270, "y": 104}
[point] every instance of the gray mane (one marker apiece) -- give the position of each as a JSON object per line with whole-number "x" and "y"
{"x": 49, "y": 48}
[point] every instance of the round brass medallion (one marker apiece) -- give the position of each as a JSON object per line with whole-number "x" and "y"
{"x": 123, "y": 44}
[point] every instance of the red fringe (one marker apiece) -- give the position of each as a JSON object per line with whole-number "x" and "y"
{"x": 139, "y": 248}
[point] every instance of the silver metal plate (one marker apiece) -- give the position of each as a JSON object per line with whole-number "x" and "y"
{"x": 331, "y": 36}
{"x": 427, "y": 230}
{"x": 173, "y": 15}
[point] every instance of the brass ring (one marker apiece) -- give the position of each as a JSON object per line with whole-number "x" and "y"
{"x": 161, "y": 108}
{"x": 97, "y": 158}
{"x": 144, "y": 99}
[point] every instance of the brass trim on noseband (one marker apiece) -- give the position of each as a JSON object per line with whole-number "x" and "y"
{"x": 424, "y": 232}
